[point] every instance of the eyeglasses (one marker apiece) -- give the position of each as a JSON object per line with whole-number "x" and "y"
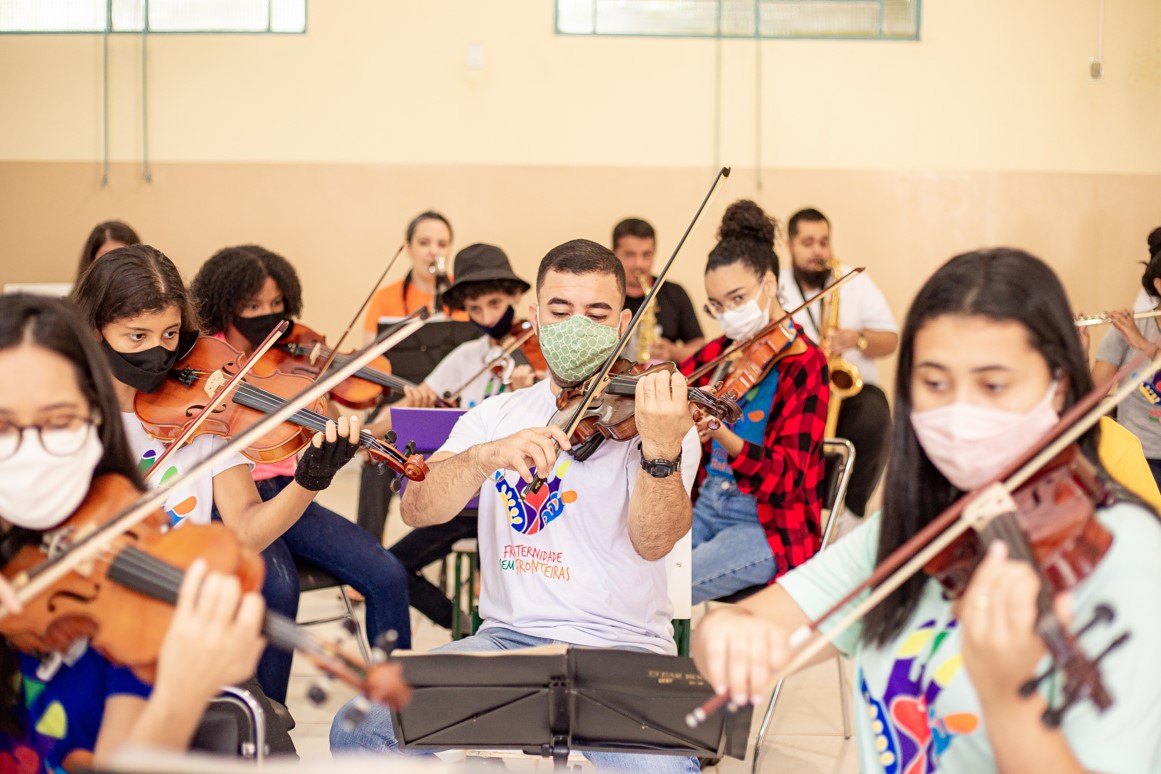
{"x": 714, "y": 309}
{"x": 59, "y": 440}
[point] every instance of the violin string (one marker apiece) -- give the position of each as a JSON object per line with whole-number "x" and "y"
{"x": 136, "y": 567}
{"x": 266, "y": 402}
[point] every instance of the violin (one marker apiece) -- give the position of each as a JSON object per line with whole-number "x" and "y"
{"x": 523, "y": 335}
{"x": 123, "y": 601}
{"x": 611, "y": 413}
{"x": 200, "y": 374}
{"x": 304, "y": 352}
{"x": 757, "y": 359}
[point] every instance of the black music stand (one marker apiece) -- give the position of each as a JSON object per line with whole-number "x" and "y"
{"x": 417, "y": 355}
{"x": 549, "y": 701}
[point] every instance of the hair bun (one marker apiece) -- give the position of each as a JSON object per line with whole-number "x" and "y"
{"x": 1154, "y": 241}
{"x": 744, "y": 219}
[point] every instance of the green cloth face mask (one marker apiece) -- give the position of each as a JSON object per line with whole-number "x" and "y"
{"x": 575, "y": 348}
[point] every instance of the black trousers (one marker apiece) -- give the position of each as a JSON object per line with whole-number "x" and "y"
{"x": 374, "y": 499}
{"x": 425, "y": 545}
{"x": 865, "y": 421}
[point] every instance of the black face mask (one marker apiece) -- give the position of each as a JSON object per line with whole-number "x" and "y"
{"x": 502, "y": 326}
{"x": 144, "y": 371}
{"x": 812, "y": 279}
{"x": 256, "y": 329}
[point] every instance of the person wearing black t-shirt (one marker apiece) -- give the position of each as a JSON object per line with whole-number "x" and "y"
{"x": 634, "y": 243}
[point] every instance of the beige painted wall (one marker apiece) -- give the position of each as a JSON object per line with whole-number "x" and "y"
{"x": 321, "y": 146}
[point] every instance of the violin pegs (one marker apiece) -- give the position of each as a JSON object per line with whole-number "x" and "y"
{"x": 317, "y": 694}
{"x": 395, "y": 484}
{"x": 356, "y": 713}
{"x": 391, "y": 437}
{"x": 409, "y": 449}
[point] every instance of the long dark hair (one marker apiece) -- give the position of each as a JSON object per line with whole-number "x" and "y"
{"x": 233, "y": 275}
{"x": 52, "y": 324}
{"x": 1003, "y": 285}
{"x": 113, "y": 230}
{"x": 130, "y": 281}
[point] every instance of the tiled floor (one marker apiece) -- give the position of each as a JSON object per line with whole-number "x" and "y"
{"x": 806, "y": 736}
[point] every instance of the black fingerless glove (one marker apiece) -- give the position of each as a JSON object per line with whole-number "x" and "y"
{"x": 318, "y": 466}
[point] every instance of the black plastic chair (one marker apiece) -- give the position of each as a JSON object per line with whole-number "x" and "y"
{"x": 312, "y": 578}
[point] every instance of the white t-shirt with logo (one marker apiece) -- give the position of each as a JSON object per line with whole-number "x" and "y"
{"x": 561, "y": 565}
{"x": 193, "y": 500}
{"x": 459, "y": 365}
{"x": 862, "y": 307}
{"x": 915, "y": 707}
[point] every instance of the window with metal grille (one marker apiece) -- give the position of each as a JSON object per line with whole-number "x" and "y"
{"x": 152, "y": 16}
{"x": 857, "y": 19}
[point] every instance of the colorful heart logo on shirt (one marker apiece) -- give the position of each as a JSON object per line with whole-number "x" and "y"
{"x": 533, "y": 514}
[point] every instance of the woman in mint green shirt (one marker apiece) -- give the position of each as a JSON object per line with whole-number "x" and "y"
{"x": 988, "y": 360}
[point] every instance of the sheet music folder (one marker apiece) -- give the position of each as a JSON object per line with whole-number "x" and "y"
{"x": 417, "y": 355}
{"x": 547, "y": 701}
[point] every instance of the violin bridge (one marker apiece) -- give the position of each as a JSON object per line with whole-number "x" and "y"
{"x": 215, "y": 382}
{"x": 315, "y": 352}
{"x": 989, "y": 504}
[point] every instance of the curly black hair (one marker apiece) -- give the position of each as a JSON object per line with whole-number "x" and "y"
{"x": 233, "y": 275}
{"x": 746, "y": 236}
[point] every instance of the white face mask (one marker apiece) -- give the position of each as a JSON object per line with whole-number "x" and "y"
{"x": 746, "y": 320}
{"x": 970, "y": 444}
{"x": 39, "y": 490}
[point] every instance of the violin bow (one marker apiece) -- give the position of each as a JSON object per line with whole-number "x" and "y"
{"x": 88, "y": 548}
{"x": 737, "y": 346}
{"x": 925, "y": 545}
{"x": 600, "y": 379}
{"x": 218, "y": 398}
{"x": 362, "y": 308}
{"x": 514, "y": 345}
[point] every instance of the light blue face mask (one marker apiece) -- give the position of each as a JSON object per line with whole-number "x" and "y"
{"x": 575, "y": 348}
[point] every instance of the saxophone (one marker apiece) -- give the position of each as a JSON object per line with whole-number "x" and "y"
{"x": 845, "y": 379}
{"x": 647, "y": 328}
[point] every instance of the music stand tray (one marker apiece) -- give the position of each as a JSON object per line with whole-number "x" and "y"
{"x": 551, "y": 700}
{"x": 417, "y": 355}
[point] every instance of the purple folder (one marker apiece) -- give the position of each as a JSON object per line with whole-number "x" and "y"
{"x": 428, "y": 427}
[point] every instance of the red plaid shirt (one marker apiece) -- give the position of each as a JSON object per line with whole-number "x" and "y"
{"x": 784, "y": 474}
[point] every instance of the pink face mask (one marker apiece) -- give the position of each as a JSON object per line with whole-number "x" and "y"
{"x": 971, "y": 444}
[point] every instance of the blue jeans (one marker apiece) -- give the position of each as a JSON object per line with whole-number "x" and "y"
{"x": 730, "y": 552}
{"x": 376, "y": 733}
{"x": 345, "y": 550}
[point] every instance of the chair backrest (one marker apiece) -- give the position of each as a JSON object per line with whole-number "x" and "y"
{"x": 839, "y": 460}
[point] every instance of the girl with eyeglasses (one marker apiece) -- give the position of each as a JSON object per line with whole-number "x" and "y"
{"x": 60, "y": 429}
{"x": 756, "y": 513}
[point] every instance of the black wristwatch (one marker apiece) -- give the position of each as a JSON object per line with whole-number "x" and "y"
{"x": 660, "y": 468}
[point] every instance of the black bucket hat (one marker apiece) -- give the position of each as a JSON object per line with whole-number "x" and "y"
{"x": 479, "y": 263}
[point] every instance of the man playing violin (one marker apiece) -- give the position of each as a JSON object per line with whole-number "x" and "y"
{"x": 988, "y": 361}
{"x": 758, "y": 504}
{"x": 488, "y": 290}
{"x": 581, "y": 560}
